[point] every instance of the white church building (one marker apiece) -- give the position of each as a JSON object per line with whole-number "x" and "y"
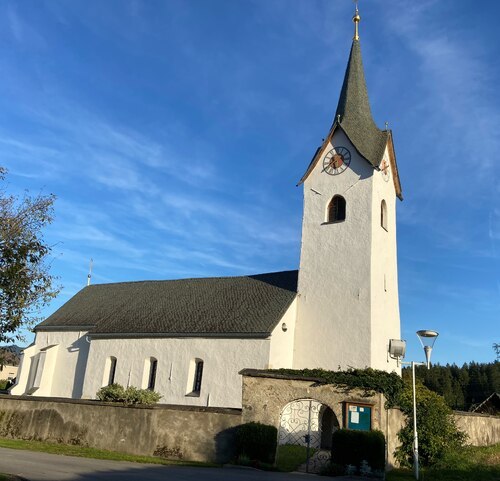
{"x": 188, "y": 339}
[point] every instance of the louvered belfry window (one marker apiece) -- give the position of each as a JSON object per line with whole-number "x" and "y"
{"x": 336, "y": 209}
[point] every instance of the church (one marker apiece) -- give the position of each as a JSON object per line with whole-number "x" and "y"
{"x": 188, "y": 339}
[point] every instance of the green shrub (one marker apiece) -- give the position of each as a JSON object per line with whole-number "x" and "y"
{"x": 437, "y": 431}
{"x": 354, "y": 447}
{"x": 112, "y": 393}
{"x": 256, "y": 441}
{"x": 132, "y": 395}
{"x": 3, "y": 383}
{"x": 333, "y": 470}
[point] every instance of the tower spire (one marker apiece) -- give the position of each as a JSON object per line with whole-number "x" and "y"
{"x": 353, "y": 112}
{"x": 356, "y": 19}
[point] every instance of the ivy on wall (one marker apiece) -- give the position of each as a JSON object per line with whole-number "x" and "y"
{"x": 370, "y": 380}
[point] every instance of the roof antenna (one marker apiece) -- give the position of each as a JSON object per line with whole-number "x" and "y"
{"x": 356, "y": 19}
{"x": 89, "y": 276}
{"x": 387, "y": 126}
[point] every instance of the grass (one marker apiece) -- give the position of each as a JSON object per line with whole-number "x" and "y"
{"x": 468, "y": 464}
{"x": 86, "y": 452}
{"x": 290, "y": 457}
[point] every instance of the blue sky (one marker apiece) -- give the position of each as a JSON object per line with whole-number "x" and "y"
{"x": 174, "y": 132}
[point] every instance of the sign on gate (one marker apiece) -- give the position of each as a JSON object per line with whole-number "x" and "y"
{"x": 359, "y": 417}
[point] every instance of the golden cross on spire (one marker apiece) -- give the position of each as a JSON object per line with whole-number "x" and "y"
{"x": 356, "y": 20}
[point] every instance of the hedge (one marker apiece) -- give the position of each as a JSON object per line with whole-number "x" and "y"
{"x": 354, "y": 447}
{"x": 257, "y": 441}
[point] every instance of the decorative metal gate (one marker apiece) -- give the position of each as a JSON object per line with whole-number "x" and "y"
{"x": 301, "y": 423}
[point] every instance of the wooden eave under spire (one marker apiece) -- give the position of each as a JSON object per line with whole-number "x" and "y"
{"x": 394, "y": 166}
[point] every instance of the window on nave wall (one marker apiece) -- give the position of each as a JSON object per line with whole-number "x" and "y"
{"x": 109, "y": 371}
{"x": 149, "y": 373}
{"x": 195, "y": 377}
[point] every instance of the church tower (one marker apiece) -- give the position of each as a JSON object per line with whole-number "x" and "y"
{"x": 348, "y": 305}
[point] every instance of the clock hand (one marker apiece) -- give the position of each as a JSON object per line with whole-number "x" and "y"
{"x": 329, "y": 164}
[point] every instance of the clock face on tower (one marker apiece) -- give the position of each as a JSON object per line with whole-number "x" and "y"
{"x": 336, "y": 161}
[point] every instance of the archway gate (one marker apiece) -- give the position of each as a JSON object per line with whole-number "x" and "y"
{"x": 308, "y": 423}
{"x": 266, "y": 395}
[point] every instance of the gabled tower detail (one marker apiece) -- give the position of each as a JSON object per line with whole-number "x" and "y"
{"x": 348, "y": 305}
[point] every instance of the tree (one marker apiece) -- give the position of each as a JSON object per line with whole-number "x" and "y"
{"x": 437, "y": 431}
{"x": 25, "y": 282}
{"x": 496, "y": 348}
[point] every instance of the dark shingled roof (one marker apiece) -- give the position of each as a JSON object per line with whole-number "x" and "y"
{"x": 226, "y": 306}
{"x": 355, "y": 114}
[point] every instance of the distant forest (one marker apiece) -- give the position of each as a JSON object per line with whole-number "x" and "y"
{"x": 462, "y": 387}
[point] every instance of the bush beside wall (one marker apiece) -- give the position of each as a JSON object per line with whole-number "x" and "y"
{"x": 354, "y": 447}
{"x": 257, "y": 442}
{"x": 132, "y": 395}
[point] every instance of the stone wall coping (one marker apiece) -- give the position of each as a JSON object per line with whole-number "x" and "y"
{"x": 276, "y": 375}
{"x": 480, "y": 415}
{"x": 93, "y": 402}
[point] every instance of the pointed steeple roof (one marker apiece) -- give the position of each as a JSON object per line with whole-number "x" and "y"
{"x": 354, "y": 117}
{"x": 353, "y": 113}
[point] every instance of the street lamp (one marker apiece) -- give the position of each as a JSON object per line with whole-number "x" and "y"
{"x": 397, "y": 349}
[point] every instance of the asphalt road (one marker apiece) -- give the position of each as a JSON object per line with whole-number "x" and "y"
{"x": 36, "y": 466}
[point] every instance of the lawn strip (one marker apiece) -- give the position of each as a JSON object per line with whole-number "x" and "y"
{"x": 87, "y": 452}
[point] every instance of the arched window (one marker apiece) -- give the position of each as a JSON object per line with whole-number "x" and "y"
{"x": 336, "y": 209}
{"x": 109, "y": 371}
{"x": 195, "y": 376}
{"x": 383, "y": 214}
{"x": 149, "y": 374}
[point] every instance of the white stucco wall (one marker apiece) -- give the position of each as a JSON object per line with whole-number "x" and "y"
{"x": 281, "y": 351}
{"x": 223, "y": 359}
{"x": 333, "y": 319}
{"x": 23, "y": 371}
{"x": 64, "y": 364}
{"x": 45, "y": 375}
{"x": 384, "y": 272}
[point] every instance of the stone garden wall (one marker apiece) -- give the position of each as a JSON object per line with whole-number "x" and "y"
{"x": 204, "y": 433}
{"x": 174, "y": 432}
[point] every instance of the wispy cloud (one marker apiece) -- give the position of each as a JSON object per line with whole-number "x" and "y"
{"x": 458, "y": 81}
{"x": 21, "y": 31}
{"x": 494, "y": 231}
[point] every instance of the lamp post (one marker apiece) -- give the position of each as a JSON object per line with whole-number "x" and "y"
{"x": 397, "y": 350}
